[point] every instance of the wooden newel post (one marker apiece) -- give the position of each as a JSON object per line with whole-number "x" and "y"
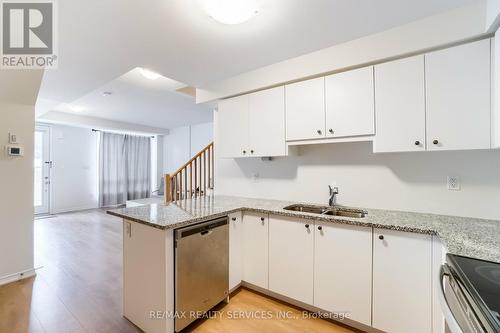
{"x": 168, "y": 188}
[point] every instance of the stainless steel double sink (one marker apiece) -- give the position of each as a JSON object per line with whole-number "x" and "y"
{"x": 327, "y": 210}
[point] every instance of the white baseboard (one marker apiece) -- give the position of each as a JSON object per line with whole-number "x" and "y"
{"x": 17, "y": 276}
{"x": 73, "y": 209}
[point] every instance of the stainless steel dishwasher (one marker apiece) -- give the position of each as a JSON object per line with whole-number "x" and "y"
{"x": 201, "y": 269}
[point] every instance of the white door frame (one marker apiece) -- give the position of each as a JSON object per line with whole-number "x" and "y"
{"x": 45, "y": 166}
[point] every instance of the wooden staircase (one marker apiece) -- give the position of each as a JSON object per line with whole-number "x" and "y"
{"x": 193, "y": 179}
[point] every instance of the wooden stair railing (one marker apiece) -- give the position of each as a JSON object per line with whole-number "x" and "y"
{"x": 193, "y": 178}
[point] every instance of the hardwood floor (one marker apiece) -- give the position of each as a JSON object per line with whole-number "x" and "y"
{"x": 79, "y": 287}
{"x": 271, "y": 316}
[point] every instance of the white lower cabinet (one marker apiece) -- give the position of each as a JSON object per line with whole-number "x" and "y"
{"x": 377, "y": 277}
{"x": 291, "y": 251}
{"x": 343, "y": 270}
{"x": 235, "y": 249}
{"x": 148, "y": 253}
{"x": 255, "y": 249}
{"x": 402, "y": 282}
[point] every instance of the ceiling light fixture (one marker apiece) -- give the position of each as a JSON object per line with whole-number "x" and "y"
{"x": 149, "y": 74}
{"x": 230, "y": 11}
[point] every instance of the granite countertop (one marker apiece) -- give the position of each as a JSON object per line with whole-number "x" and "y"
{"x": 471, "y": 237}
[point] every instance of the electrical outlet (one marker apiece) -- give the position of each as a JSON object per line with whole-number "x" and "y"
{"x": 453, "y": 183}
{"x": 255, "y": 177}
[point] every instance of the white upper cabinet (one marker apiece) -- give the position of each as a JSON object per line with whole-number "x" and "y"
{"x": 305, "y": 109}
{"x": 350, "y": 109}
{"x": 252, "y": 125}
{"x": 437, "y": 101}
{"x": 400, "y": 105}
{"x": 343, "y": 270}
{"x": 232, "y": 127}
{"x": 267, "y": 122}
{"x": 458, "y": 97}
{"x": 291, "y": 246}
{"x": 402, "y": 281}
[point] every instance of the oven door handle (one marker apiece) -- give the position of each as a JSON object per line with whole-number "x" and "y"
{"x": 452, "y": 323}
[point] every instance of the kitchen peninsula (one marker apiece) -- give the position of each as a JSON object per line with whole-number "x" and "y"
{"x": 260, "y": 257}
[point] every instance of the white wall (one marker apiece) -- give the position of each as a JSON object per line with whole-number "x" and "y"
{"x": 64, "y": 118}
{"x": 176, "y": 148}
{"x": 74, "y": 175}
{"x": 495, "y": 92}
{"x": 201, "y": 136}
{"x": 403, "y": 181}
{"x": 182, "y": 143}
{"x": 16, "y": 190}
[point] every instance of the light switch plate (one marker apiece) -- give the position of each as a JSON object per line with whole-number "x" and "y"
{"x": 12, "y": 138}
{"x": 453, "y": 183}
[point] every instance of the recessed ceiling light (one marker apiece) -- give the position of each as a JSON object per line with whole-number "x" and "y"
{"x": 77, "y": 108}
{"x": 107, "y": 93}
{"x": 230, "y": 11}
{"x": 149, "y": 74}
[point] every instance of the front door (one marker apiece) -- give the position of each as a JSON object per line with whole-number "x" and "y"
{"x": 42, "y": 170}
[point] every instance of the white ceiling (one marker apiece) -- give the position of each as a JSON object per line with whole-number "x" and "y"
{"x": 138, "y": 100}
{"x": 101, "y": 40}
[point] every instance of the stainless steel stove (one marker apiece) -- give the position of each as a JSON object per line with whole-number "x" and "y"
{"x": 470, "y": 295}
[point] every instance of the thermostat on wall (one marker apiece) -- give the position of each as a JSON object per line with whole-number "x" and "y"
{"x": 15, "y": 151}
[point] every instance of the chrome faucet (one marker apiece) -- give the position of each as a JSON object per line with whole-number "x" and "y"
{"x": 333, "y": 195}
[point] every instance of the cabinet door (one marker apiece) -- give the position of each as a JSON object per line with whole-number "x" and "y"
{"x": 267, "y": 122}
{"x": 458, "y": 97}
{"x": 350, "y": 109}
{"x": 305, "y": 109}
{"x": 147, "y": 252}
{"x": 232, "y": 127}
{"x": 400, "y": 105}
{"x": 343, "y": 270}
{"x": 255, "y": 249}
{"x": 235, "y": 250}
{"x": 402, "y": 281}
{"x": 291, "y": 246}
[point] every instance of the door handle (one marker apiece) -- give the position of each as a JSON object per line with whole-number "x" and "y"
{"x": 444, "y": 273}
